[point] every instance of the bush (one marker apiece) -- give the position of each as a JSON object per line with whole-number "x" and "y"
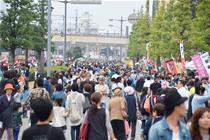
{"x": 52, "y": 69}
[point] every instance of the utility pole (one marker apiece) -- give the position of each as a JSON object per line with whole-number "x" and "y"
{"x": 76, "y": 21}
{"x": 121, "y": 20}
{"x": 121, "y": 26}
{"x": 65, "y": 26}
{"x": 49, "y": 38}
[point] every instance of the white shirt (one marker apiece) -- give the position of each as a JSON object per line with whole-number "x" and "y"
{"x": 80, "y": 99}
{"x": 175, "y": 136}
{"x": 184, "y": 93}
{"x": 148, "y": 83}
{"x": 58, "y": 116}
{"x": 8, "y": 98}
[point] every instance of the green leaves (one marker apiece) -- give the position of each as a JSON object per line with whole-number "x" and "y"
{"x": 172, "y": 24}
{"x": 23, "y": 25}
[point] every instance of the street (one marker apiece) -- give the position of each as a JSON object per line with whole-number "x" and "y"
{"x": 67, "y": 132}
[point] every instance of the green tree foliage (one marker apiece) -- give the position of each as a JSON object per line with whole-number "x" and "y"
{"x": 15, "y": 27}
{"x": 200, "y": 35}
{"x": 180, "y": 26}
{"x": 140, "y": 36}
{"x": 173, "y": 24}
{"x": 156, "y": 36}
{"x": 75, "y": 52}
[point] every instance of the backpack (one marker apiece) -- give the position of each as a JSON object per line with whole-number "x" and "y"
{"x": 87, "y": 103}
{"x": 74, "y": 115}
{"x": 147, "y": 105}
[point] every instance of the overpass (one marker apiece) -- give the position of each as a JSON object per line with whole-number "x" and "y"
{"x": 117, "y": 46}
{"x": 91, "y": 39}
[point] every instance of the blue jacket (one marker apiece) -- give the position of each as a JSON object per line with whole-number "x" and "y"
{"x": 161, "y": 131}
{"x": 131, "y": 107}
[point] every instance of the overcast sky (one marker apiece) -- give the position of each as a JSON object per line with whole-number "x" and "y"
{"x": 100, "y": 14}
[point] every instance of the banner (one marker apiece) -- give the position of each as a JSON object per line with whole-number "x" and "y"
{"x": 179, "y": 67}
{"x": 199, "y": 66}
{"x": 181, "y": 47}
{"x": 171, "y": 67}
{"x": 206, "y": 62}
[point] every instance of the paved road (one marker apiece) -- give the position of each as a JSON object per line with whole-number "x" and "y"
{"x": 67, "y": 133}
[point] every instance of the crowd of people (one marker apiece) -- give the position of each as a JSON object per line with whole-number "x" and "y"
{"x": 103, "y": 101}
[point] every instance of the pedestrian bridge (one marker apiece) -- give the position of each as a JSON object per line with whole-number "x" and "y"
{"x": 91, "y": 39}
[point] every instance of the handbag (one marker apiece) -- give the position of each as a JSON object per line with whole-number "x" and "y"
{"x": 84, "y": 129}
{"x": 127, "y": 128}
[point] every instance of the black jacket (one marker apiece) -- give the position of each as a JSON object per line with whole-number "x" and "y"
{"x": 6, "y": 111}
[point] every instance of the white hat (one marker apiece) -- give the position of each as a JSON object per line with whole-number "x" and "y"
{"x": 115, "y": 76}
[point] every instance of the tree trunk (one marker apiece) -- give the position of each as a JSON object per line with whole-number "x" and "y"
{"x": 158, "y": 62}
{"x": 12, "y": 54}
{"x": 40, "y": 61}
{"x": 26, "y": 56}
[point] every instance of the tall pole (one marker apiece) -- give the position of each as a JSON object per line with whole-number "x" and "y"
{"x": 121, "y": 26}
{"x": 76, "y": 21}
{"x": 65, "y": 24}
{"x": 49, "y": 38}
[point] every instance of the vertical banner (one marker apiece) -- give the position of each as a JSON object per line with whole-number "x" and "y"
{"x": 199, "y": 66}
{"x": 181, "y": 47}
{"x": 206, "y": 62}
{"x": 171, "y": 67}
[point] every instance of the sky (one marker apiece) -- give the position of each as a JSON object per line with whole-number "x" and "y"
{"x": 100, "y": 14}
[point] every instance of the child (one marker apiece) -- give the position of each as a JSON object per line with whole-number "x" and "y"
{"x": 16, "y": 120}
{"x": 59, "y": 115}
{"x": 157, "y": 115}
{"x": 6, "y": 111}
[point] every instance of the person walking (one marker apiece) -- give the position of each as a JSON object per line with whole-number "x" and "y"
{"x": 59, "y": 115}
{"x": 99, "y": 120}
{"x": 200, "y": 125}
{"x": 171, "y": 127}
{"x": 131, "y": 107}
{"x": 43, "y": 109}
{"x": 117, "y": 109}
{"x": 74, "y": 105}
{"x": 59, "y": 94}
{"x": 38, "y": 92}
{"x": 16, "y": 120}
{"x": 6, "y": 110}
{"x": 199, "y": 99}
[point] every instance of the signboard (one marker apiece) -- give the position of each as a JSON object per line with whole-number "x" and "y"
{"x": 171, "y": 67}
{"x": 85, "y": 1}
{"x": 206, "y": 62}
{"x": 199, "y": 66}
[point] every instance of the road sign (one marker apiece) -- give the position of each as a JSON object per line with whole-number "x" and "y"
{"x": 85, "y": 1}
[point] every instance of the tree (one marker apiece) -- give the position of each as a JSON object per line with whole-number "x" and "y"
{"x": 180, "y": 27}
{"x": 155, "y": 48}
{"x": 15, "y": 25}
{"x": 140, "y": 36}
{"x": 156, "y": 33}
{"x": 200, "y": 34}
{"x": 40, "y": 32}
